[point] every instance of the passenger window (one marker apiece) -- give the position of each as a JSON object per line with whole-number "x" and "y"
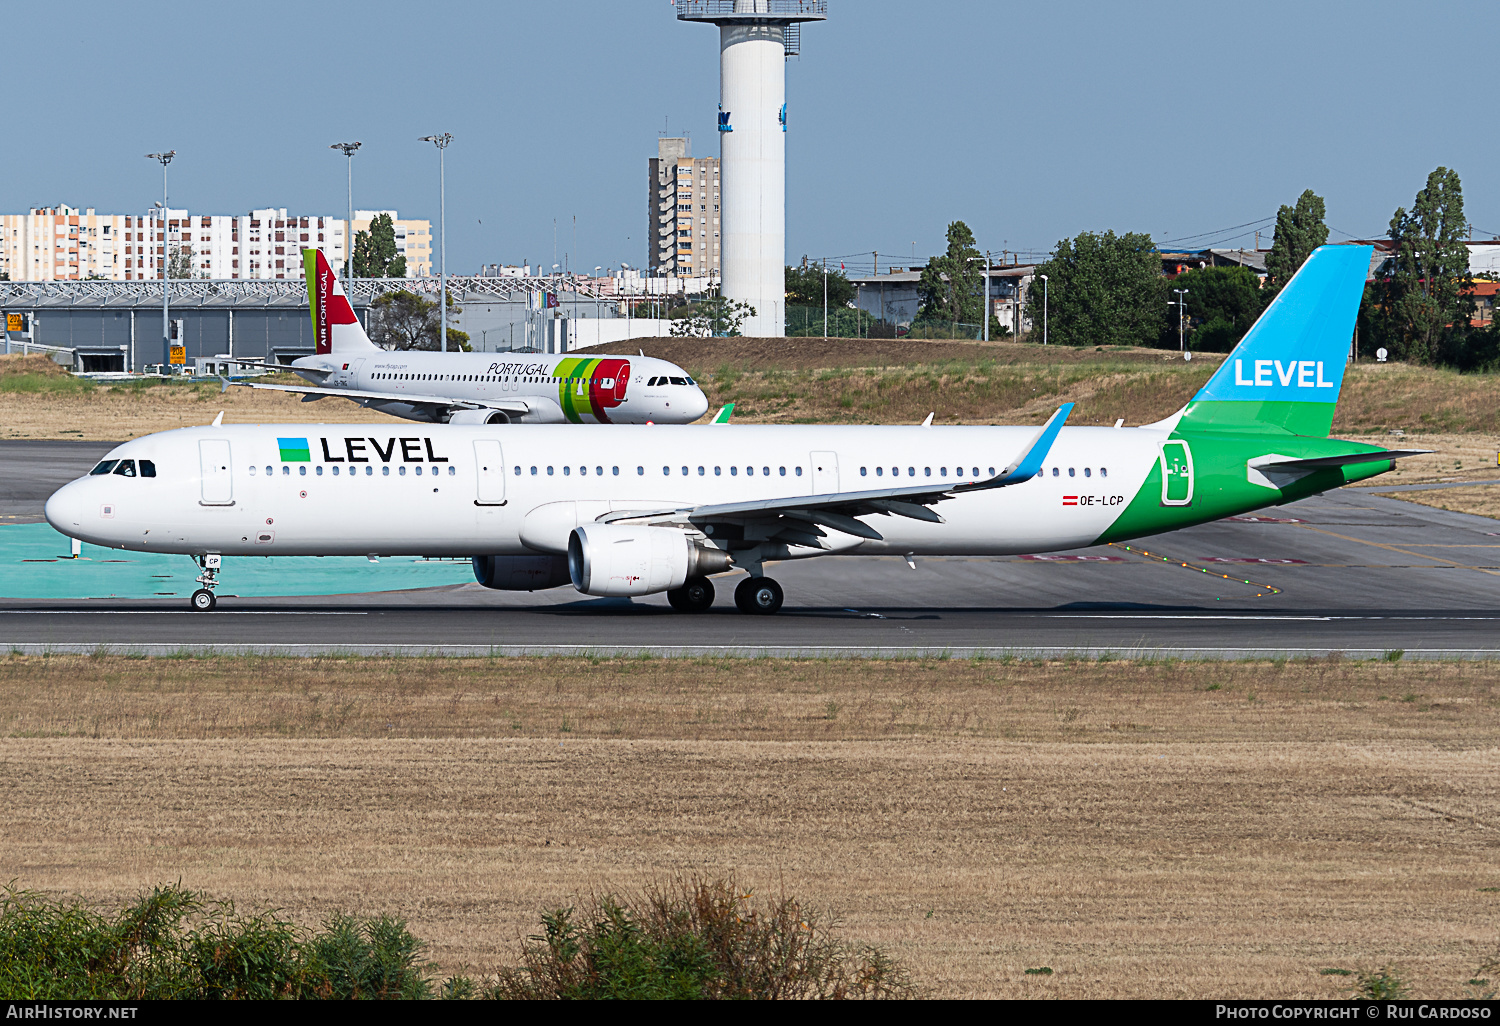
{"x": 401, "y": 471}
{"x": 335, "y": 470}
{"x": 600, "y": 471}
{"x": 566, "y": 471}
{"x": 799, "y": 471}
{"x": 252, "y": 471}
{"x": 879, "y": 471}
{"x": 684, "y": 471}
{"x": 369, "y": 472}
{"x": 126, "y": 468}
{"x": 385, "y": 471}
{"x": 615, "y": 471}
{"x": 533, "y": 472}
{"x": 863, "y": 472}
{"x": 104, "y": 468}
{"x": 976, "y": 471}
{"x": 1087, "y": 472}
{"x": 911, "y": 471}
{"x": 584, "y": 471}
{"x": 453, "y": 471}
{"x": 419, "y": 470}
{"x": 734, "y": 471}
{"x": 640, "y": 471}
{"x": 700, "y": 471}
{"x": 320, "y": 470}
{"x": 1055, "y": 471}
{"x": 927, "y": 471}
{"x": 666, "y": 471}
{"x": 302, "y": 470}
{"x": 269, "y": 471}
{"x": 286, "y": 471}
{"x": 718, "y": 472}
{"x": 766, "y": 471}
{"x": 549, "y": 471}
{"x": 783, "y": 472}
{"x": 1072, "y": 472}
{"x": 518, "y": 471}
{"x": 942, "y": 472}
{"x": 1103, "y": 471}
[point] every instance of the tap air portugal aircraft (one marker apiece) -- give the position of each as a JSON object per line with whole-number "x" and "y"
{"x": 479, "y": 388}
{"x": 627, "y": 511}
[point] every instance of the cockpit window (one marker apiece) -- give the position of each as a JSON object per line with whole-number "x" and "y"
{"x": 651, "y": 383}
{"x": 126, "y": 468}
{"x": 104, "y": 468}
{"x": 678, "y": 381}
{"x": 148, "y": 469}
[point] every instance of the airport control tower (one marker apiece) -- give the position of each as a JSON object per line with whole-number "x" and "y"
{"x": 755, "y": 39}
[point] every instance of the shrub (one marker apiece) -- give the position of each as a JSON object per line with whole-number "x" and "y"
{"x": 696, "y": 939}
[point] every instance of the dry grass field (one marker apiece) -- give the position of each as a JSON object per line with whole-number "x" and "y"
{"x": 1145, "y": 829}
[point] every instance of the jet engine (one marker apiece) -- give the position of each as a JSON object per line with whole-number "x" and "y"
{"x": 479, "y": 417}
{"x": 615, "y": 560}
{"x": 521, "y": 573}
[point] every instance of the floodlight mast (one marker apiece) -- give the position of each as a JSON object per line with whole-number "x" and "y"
{"x": 441, "y": 142}
{"x": 755, "y": 39}
{"x": 166, "y": 323}
{"x": 348, "y": 149}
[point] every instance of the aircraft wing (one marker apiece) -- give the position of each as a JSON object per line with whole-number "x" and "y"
{"x": 311, "y": 393}
{"x": 838, "y": 510}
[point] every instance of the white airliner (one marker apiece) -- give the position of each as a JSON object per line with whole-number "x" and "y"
{"x": 480, "y": 388}
{"x": 634, "y": 510}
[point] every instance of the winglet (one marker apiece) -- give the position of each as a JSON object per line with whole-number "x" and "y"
{"x": 725, "y": 412}
{"x": 1029, "y": 463}
{"x": 219, "y": 420}
{"x": 225, "y": 387}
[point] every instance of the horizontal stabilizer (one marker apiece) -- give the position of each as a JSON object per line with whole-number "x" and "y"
{"x": 1322, "y": 462}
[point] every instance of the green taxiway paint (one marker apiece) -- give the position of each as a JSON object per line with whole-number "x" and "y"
{"x": 36, "y": 565}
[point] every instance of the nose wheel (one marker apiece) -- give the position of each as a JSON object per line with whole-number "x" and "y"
{"x": 695, "y": 595}
{"x": 204, "y": 599}
{"x": 759, "y": 595}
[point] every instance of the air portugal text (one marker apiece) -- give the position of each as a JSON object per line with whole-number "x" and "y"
{"x": 381, "y": 450}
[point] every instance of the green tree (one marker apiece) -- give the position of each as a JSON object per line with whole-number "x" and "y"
{"x": 1103, "y": 290}
{"x": 1299, "y": 231}
{"x": 1422, "y": 295}
{"x": 375, "y": 253}
{"x": 717, "y": 317}
{"x": 1222, "y": 303}
{"x": 951, "y": 284}
{"x": 180, "y": 263}
{"x": 804, "y": 287}
{"x": 404, "y": 320}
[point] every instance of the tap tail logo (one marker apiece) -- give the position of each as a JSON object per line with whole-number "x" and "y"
{"x": 335, "y": 327}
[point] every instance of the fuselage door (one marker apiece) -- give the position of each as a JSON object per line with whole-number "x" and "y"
{"x": 1176, "y": 474}
{"x": 825, "y": 473}
{"x": 490, "y": 463}
{"x": 213, "y": 461}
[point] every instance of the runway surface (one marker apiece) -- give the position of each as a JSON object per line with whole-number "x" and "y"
{"x": 1346, "y": 572}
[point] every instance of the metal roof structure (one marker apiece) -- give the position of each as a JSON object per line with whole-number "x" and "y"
{"x": 282, "y": 292}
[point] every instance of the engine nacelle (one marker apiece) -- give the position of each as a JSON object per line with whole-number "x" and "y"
{"x": 479, "y": 417}
{"x": 615, "y": 560}
{"x": 521, "y": 573}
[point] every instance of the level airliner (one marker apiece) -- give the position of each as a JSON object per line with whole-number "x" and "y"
{"x": 636, "y": 510}
{"x": 478, "y": 388}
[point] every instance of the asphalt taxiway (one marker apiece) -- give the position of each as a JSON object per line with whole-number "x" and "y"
{"x": 1348, "y": 572}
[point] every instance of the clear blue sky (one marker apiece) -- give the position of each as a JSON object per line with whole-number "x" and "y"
{"x": 1029, "y": 121}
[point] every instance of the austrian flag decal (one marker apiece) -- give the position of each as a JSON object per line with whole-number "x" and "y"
{"x": 1070, "y": 500}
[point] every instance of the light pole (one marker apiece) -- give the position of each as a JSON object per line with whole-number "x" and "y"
{"x": 825, "y": 297}
{"x": 166, "y": 324}
{"x": 441, "y": 142}
{"x": 1044, "y": 308}
{"x": 1181, "y": 346}
{"x": 348, "y": 150}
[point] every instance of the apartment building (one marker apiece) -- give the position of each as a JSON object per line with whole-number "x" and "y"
{"x": 682, "y": 212}
{"x": 65, "y": 244}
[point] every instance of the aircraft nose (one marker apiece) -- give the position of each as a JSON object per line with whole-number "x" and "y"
{"x": 698, "y": 404}
{"x": 64, "y": 510}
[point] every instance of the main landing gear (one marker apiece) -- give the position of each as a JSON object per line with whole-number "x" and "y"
{"x": 759, "y": 595}
{"x": 695, "y": 595}
{"x": 203, "y": 599}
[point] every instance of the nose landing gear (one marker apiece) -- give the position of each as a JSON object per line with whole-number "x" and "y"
{"x": 203, "y": 599}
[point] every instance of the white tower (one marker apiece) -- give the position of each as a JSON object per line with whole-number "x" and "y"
{"x": 755, "y": 39}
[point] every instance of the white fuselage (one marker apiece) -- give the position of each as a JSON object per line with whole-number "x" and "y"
{"x": 581, "y": 388}
{"x": 449, "y": 490}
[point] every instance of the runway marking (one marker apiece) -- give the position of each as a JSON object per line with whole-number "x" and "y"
{"x": 1315, "y": 618}
{"x": 179, "y": 612}
{"x": 1394, "y": 548}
